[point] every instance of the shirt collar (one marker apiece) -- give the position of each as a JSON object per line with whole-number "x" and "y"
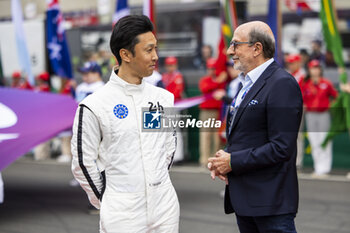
{"x": 257, "y": 72}
{"x": 254, "y": 74}
{"x": 128, "y": 87}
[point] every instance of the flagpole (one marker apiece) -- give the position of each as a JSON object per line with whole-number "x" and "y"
{"x": 279, "y": 33}
{"x": 274, "y": 20}
{"x": 149, "y": 10}
{"x": 154, "y": 16}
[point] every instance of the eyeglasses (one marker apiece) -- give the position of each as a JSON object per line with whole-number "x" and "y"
{"x": 235, "y": 43}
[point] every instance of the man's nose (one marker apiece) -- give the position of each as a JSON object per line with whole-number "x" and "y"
{"x": 155, "y": 56}
{"x": 230, "y": 51}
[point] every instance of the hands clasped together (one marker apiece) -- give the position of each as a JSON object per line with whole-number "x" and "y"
{"x": 220, "y": 165}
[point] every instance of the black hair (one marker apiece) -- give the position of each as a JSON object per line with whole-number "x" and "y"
{"x": 265, "y": 39}
{"x": 125, "y": 33}
{"x": 303, "y": 52}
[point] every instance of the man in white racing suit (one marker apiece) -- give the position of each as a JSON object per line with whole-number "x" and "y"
{"x": 122, "y": 168}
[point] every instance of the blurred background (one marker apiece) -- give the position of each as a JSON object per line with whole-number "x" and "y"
{"x": 56, "y": 46}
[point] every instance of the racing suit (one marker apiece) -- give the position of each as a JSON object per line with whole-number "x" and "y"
{"x": 124, "y": 170}
{"x": 174, "y": 83}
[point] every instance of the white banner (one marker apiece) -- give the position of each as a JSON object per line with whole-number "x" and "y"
{"x": 34, "y": 31}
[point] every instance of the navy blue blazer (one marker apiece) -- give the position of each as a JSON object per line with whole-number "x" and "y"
{"x": 263, "y": 149}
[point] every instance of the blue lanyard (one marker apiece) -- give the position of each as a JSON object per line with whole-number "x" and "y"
{"x": 245, "y": 92}
{"x": 232, "y": 106}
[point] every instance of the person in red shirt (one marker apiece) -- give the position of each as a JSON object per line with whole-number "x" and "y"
{"x": 16, "y": 79}
{"x": 294, "y": 67}
{"x": 172, "y": 79}
{"x": 68, "y": 87}
{"x": 209, "y": 140}
{"x": 26, "y": 85}
{"x": 317, "y": 92}
{"x": 19, "y": 83}
{"x": 42, "y": 82}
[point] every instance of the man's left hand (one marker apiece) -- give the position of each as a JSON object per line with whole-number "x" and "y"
{"x": 221, "y": 163}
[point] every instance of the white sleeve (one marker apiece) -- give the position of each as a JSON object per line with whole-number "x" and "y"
{"x": 85, "y": 143}
{"x": 171, "y": 141}
{"x": 171, "y": 144}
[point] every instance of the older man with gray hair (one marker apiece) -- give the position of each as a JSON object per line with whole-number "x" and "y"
{"x": 258, "y": 163}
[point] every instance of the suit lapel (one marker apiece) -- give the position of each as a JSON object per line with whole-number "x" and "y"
{"x": 253, "y": 92}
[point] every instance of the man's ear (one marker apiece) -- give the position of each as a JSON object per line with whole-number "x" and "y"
{"x": 125, "y": 55}
{"x": 258, "y": 49}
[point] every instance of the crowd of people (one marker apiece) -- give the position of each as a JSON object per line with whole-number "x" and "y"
{"x": 318, "y": 93}
{"x": 256, "y": 152}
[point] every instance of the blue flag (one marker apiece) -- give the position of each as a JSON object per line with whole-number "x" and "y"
{"x": 56, "y": 41}
{"x": 122, "y": 9}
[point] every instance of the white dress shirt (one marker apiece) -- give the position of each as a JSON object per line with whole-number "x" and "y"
{"x": 249, "y": 80}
